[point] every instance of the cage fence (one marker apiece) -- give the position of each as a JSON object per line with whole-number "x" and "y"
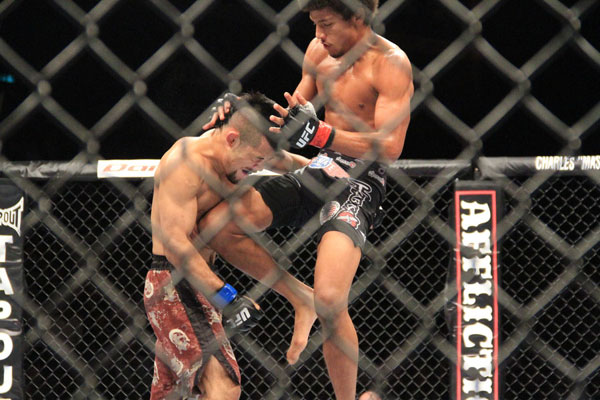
{"x": 86, "y": 241}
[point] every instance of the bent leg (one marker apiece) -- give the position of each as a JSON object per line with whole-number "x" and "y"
{"x": 216, "y": 384}
{"x": 163, "y": 379}
{"x": 230, "y": 240}
{"x": 337, "y": 262}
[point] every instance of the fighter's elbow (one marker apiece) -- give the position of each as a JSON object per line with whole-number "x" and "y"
{"x": 173, "y": 257}
{"x": 392, "y": 156}
{"x": 390, "y": 149}
{"x": 178, "y": 248}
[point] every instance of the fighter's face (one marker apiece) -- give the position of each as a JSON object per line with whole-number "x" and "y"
{"x": 335, "y": 33}
{"x": 246, "y": 159}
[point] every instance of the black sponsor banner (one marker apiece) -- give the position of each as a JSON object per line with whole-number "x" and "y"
{"x": 12, "y": 205}
{"x": 473, "y": 315}
{"x": 501, "y": 167}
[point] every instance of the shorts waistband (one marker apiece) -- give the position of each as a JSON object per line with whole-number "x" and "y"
{"x": 349, "y": 163}
{"x": 161, "y": 263}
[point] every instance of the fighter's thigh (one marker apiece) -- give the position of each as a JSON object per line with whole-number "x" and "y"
{"x": 216, "y": 383}
{"x": 252, "y": 209}
{"x": 337, "y": 262}
{"x": 249, "y": 211}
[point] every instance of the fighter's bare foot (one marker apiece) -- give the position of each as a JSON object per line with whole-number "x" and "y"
{"x": 305, "y": 317}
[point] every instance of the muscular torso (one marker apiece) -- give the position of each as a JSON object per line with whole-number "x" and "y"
{"x": 350, "y": 92}
{"x": 205, "y": 197}
{"x": 366, "y": 90}
{"x": 352, "y": 96}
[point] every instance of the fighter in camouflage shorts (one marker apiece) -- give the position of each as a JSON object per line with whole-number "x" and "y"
{"x": 185, "y": 300}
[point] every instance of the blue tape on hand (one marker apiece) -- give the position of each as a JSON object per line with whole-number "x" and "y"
{"x": 224, "y": 296}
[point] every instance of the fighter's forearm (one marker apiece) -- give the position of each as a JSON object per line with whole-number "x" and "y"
{"x": 369, "y": 145}
{"x": 287, "y": 161}
{"x": 302, "y": 127}
{"x": 186, "y": 259}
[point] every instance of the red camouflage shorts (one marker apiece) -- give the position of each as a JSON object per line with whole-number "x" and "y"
{"x": 188, "y": 331}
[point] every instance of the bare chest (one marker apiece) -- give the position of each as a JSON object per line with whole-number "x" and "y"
{"x": 349, "y": 91}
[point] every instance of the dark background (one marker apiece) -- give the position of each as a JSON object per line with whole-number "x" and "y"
{"x": 568, "y": 85}
{"x": 86, "y": 319}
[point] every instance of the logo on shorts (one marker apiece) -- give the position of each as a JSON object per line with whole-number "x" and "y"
{"x": 179, "y": 339}
{"x": 349, "y": 218}
{"x": 328, "y": 211}
{"x": 11, "y": 216}
{"x": 320, "y": 162}
{"x": 378, "y": 178}
{"x": 345, "y": 162}
{"x": 359, "y": 193}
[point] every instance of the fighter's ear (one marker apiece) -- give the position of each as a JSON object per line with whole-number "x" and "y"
{"x": 232, "y": 137}
{"x": 360, "y": 16}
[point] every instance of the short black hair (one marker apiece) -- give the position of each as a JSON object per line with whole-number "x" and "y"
{"x": 250, "y": 115}
{"x": 346, "y": 8}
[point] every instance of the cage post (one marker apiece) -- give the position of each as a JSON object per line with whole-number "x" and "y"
{"x": 473, "y": 314}
{"x": 12, "y": 203}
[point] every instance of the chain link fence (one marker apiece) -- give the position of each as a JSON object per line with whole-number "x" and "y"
{"x": 87, "y": 241}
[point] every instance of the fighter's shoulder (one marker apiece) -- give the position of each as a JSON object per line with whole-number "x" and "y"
{"x": 391, "y": 55}
{"x": 180, "y": 161}
{"x": 315, "y": 52}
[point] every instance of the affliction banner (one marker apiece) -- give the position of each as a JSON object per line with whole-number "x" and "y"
{"x": 12, "y": 204}
{"x": 473, "y": 314}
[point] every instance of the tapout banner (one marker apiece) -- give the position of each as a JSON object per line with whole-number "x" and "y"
{"x": 12, "y": 205}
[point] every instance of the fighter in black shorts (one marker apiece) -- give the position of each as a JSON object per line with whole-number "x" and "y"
{"x": 365, "y": 84}
{"x": 351, "y": 209}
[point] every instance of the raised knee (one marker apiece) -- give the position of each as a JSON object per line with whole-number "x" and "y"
{"x": 214, "y": 222}
{"x": 330, "y": 302}
{"x": 222, "y": 225}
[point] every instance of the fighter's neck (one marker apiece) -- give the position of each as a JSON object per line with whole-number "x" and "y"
{"x": 208, "y": 150}
{"x": 357, "y": 52}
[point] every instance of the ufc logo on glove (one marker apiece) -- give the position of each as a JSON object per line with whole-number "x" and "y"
{"x": 242, "y": 317}
{"x": 302, "y": 127}
{"x": 307, "y": 134}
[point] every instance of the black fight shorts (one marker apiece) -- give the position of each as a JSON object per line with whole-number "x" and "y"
{"x": 324, "y": 189}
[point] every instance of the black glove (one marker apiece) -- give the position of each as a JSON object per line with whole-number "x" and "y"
{"x": 241, "y": 315}
{"x": 302, "y": 127}
{"x": 379, "y": 215}
{"x": 220, "y": 102}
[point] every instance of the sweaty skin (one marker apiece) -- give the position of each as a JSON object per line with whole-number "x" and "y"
{"x": 365, "y": 82}
{"x": 197, "y": 181}
{"x": 193, "y": 177}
